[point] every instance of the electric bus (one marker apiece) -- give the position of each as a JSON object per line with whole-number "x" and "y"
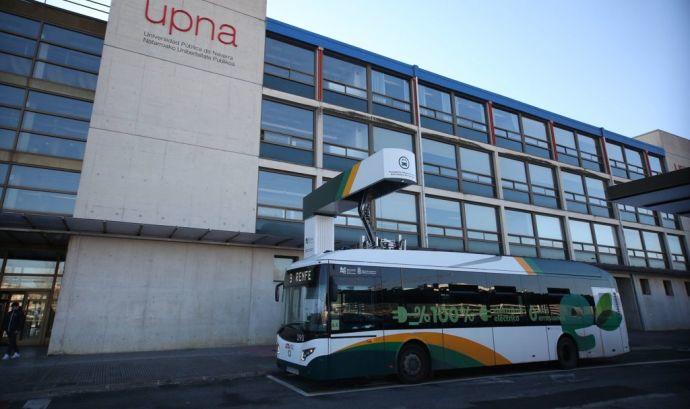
{"x": 369, "y": 312}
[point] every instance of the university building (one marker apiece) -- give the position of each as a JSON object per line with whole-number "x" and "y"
{"x": 152, "y": 170}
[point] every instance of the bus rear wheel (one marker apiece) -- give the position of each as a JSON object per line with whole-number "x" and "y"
{"x": 413, "y": 364}
{"x": 567, "y": 353}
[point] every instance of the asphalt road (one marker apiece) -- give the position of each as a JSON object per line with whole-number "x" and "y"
{"x": 650, "y": 380}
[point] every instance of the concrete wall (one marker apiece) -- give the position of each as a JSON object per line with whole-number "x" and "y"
{"x": 174, "y": 136}
{"x": 136, "y": 295}
{"x": 660, "y": 311}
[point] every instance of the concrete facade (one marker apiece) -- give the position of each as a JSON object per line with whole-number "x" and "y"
{"x": 677, "y": 148}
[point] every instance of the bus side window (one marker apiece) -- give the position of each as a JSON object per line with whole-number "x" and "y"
{"x": 353, "y": 299}
{"x": 470, "y": 301}
{"x": 507, "y": 307}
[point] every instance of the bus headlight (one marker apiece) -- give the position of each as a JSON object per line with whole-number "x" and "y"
{"x": 307, "y": 352}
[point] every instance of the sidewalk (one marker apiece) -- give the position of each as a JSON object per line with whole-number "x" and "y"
{"x": 36, "y": 374}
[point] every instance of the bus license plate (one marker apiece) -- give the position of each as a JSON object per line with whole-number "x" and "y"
{"x": 292, "y": 370}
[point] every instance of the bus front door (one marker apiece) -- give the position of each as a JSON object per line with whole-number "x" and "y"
{"x": 610, "y": 320}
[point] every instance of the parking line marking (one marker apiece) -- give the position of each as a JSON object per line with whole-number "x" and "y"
{"x": 457, "y": 380}
{"x": 36, "y": 404}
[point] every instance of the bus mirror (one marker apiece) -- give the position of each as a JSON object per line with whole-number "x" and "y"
{"x": 277, "y": 292}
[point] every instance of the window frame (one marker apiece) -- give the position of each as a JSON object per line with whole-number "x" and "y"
{"x": 522, "y": 140}
{"x": 530, "y": 186}
{"x": 523, "y": 240}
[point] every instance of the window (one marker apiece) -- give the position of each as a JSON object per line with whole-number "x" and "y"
{"x": 435, "y": 109}
{"x": 287, "y": 133}
{"x": 636, "y": 214}
{"x": 69, "y": 58}
{"x": 39, "y": 178}
{"x": 11, "y": 96}
{"x": 289, "y": 68}
{"x": 644, "y": 248}
{"x": 391, "y": 96}
{"x": 644, "y": 284}
{"x": 19, "y": 25}
{"x": 41, "y": 190}
{"x": 55, "y": 126}
{"x": 77, "y": 41}
{"x": 625, "y": 163}
{"x": 280, "y": 266}
{"x": 668, "y": 287}
{"x": 528, "y": 183}
{"x": 396, "y": 214}
{"x": 279, "y": 200}
{"x": 49, "y": 146}
{"x": 440, "y": 165}
{"x": 470, "y": 119}
{"x": 444, "y": 224}
{"x": 533, "y": 139}
{"x": 584, "y": 194}
{"x": 476, "y": 174}
{"x": 387, "y": 138}
{"x": 344, "y": 83}
{"x": 534, "y": 235}
{"x": 482, "y": 229}
{"x": 54, "y": 104}
{"x": 655, "y": 165}
{"x": 676, "y": 248}
{"x": 577, "y": 149}
{"x": 345, "y": 142}
{"x": 668, "y": 220}
{"x": 593, "y": 242}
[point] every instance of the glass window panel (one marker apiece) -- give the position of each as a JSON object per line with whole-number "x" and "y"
{"x": 9, "y": 117}
{"x": 632, "y": 239}
{"x": 564, "y": 138}
{"x": 15, "y": 65}
{"x": 72, "y": 39}
{"x": 651, "y": 241}
{"x": 506, "y": 120}
{"x": 40, "y": 178}
{"x": 443, "y": 212}
{"x": 35, "y": 201}
{"x": 605, "y": 235}
{"x": 59, "y": 105}
{"x": 469, "y": 109}
{"x": 278, "y": 189}
{"x": 534, "y": 128}
{"x": 55, "y": 125}
{"x": 633, "y": 157}
{"x": 540, "y": 175}
{"x": 390, "y": 85}
{"x": 19, "y": 25}
{"x": 21, "y": 266}
{"x": 386, "y": 138}
{"x": 549, "y": 227}
{"x": 397, "y": 206}
{"x": 27, "y": 282}
{"x": 344, "y": 72}
{"x": 513, "y": 169}
{"x": 519, "y": 223}
{"x": 674, "y": 244}
{"x": 289, "y": 56}
{"x": 63, "y": 75}
{"x": 580, "y": 232}
{"x": 345, "y": 132}
{"x": 655, "y": 164}
{"x": 572, "y": 183}
{"x": 439, "y": 153}
{"x": 7, "y": 139}
{"x": 17, "y": 45}
{"x": 47, "y": 145}
{"x": 71, "y": 58}
{"x": 480, "y": 217}
{"x": 475, "y": 161}
{"x": 287, "y": 119}
{"x": 3, "y": 172}
{"x": 11, "y": 96}
{"x": 595, "y": 187}
{"x": 614, "y": 152}
{"x": 434, "y": 99}
{"x": 587, "y": 144}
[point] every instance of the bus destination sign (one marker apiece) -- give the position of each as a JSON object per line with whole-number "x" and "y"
{"x": 299, "y": 278}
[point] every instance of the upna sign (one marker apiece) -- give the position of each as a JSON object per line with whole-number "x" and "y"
{"x": 180, "y": 20}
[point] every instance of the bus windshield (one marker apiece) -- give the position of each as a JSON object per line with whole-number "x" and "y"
{"x": 305, "y": 300}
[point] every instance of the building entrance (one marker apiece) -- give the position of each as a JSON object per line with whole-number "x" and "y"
{"x": 37, "y": 310}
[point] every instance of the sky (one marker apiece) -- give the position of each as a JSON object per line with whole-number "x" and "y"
{"x": 620, "y": 64}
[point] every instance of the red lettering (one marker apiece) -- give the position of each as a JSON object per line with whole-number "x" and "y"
{"x": 174, "y": 11}
{"x": 232, "y": 34}
{"x": 199, "y": 19}
{"x": 162, "y": 19}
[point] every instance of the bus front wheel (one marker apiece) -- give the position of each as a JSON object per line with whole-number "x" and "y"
{"x": 567, "y": 353}
{"x": 413, "y": 364}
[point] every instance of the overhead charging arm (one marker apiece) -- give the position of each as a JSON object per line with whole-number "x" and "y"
{"x": 382, "y": 173}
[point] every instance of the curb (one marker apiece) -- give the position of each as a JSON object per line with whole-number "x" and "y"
{"x": 119, "y": 387}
